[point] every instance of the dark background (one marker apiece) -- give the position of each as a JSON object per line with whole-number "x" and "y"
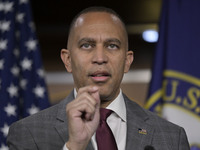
{"x": 52, "y": 19}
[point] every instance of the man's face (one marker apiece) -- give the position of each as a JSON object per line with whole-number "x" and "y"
{"x": 97, "y": 53}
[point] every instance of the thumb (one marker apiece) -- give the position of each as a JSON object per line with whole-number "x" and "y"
{"x": 97, "y": 111}
{"x": 96, "y": 96}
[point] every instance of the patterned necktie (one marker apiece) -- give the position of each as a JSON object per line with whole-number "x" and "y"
{"x": 104, "y": 136}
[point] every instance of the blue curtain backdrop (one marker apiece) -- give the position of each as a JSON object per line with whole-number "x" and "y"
{"x": 22, "y": 86}
{"x": 174, "y": 91}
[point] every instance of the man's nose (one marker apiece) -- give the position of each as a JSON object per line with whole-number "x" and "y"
{"x": 99, "y": 56}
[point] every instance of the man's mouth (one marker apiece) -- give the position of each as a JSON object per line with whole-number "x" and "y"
{"x": 100, "y": 76}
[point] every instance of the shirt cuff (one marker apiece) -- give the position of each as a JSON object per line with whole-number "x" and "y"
{"x": 65, "y": 147}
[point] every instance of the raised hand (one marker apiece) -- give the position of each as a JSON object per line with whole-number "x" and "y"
{"x": 83, "y": 117}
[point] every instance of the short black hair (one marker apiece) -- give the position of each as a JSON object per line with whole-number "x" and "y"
{"x": 95, "y": 9}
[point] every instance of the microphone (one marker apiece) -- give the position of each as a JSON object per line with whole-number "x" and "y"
{"x": 149, "y": 147}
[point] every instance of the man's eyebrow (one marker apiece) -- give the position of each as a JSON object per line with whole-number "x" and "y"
{"x": 89, "y": 40}
{"x": 113, "y": 40}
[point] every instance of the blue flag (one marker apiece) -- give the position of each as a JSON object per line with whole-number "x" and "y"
{"x": 175, "y": 86}
{"x": 22, "y": 86}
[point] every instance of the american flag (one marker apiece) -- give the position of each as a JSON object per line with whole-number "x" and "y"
{"x": 22, "y": 85}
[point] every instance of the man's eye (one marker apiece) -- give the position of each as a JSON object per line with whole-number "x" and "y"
{"x": 113, "y": 46}
{"x": 86, "y": 46}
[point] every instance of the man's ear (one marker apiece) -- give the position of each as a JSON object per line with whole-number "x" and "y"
{"x": 129, "y": 60}
{"x": 66, "y": 58}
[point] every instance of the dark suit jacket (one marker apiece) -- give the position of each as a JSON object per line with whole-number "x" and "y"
{"x": 47, "y": 130}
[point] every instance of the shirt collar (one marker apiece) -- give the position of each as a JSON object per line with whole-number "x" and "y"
{"x": 118, "y": 105}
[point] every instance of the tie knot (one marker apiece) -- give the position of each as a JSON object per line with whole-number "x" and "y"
{"x": 104, "y": 113}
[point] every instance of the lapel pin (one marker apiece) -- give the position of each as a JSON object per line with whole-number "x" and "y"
{"x": 142, "y": 131}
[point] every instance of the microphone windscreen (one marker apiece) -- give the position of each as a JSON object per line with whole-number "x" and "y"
{"x": 148, "y": 147}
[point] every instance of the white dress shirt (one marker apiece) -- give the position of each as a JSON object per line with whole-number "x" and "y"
{"x": 116, "y": 121}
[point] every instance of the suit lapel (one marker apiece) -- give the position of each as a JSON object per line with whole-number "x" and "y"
{"x": 139, "y": 133}
{"x": 61, "y": 120}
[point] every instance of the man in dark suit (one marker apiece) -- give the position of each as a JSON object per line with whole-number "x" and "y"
{"x": 97, "y": 55}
